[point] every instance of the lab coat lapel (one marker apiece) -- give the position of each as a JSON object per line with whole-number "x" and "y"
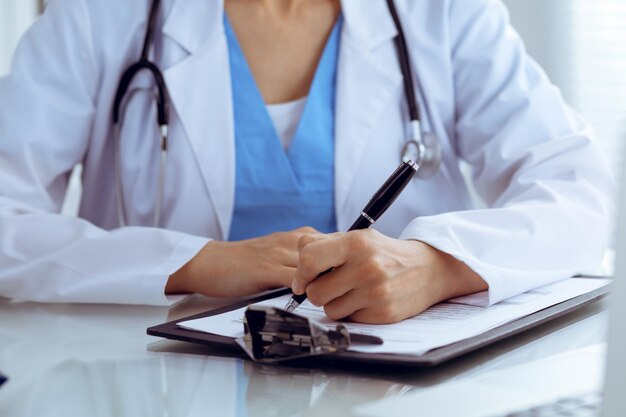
{"x": 200, "y": 90}
{"x": 364, "y": 87}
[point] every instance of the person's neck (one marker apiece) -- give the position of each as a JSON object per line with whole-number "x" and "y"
{"x": 285, "y": 10}
{"x": 282, "y": 41}
{"x": 282, "y": 8}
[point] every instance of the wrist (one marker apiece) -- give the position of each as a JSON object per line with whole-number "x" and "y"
{"x": 178, "y": 282}
{"x": 184, "y": 281}
{"x": 450, "y": 277}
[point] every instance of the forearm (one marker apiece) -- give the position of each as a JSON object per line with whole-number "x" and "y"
{"x": 53, "y": 258}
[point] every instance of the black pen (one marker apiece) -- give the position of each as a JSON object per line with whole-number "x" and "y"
{"x": 378, "y": 204}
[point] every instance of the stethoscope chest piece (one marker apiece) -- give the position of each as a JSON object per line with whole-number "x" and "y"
{"x": 426, "y": 152}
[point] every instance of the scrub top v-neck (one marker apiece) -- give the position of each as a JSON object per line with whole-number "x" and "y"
{"x": 277, "y": 189}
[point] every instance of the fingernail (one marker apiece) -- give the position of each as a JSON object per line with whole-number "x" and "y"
{"x": 296, "y": 288}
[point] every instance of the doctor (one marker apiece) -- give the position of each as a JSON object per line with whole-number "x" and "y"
{"x": 284, "y": 118}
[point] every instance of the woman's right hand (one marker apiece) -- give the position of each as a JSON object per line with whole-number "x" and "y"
{"x": 233, "y": 269}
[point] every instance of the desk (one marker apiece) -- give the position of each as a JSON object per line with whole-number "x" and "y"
{"x": 96, "y": 360}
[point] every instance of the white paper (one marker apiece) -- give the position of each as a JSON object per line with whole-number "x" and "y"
{"x": 438, "y": 326}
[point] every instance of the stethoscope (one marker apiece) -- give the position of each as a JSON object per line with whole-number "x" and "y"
{"x": 421, "y": 147}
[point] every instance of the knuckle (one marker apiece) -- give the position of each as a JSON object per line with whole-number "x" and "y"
{"x": 359, "y": 241}
{"x": 307, "y": 230}
{"x": 304, "y": 240}
{"x": 376, "y": 264}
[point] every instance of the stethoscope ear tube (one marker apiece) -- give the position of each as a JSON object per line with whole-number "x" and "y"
{"x": 405, "y": 66}
{"x": 423, "y": 148}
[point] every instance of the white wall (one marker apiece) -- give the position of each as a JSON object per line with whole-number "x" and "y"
{"x": 582, "y": 46}
{"x": 544, "y": 26}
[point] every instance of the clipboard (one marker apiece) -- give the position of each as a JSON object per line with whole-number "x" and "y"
{"x": 172, "y": 331}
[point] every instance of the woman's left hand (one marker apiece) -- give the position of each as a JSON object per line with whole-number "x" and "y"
{"x": 378, "y": 279}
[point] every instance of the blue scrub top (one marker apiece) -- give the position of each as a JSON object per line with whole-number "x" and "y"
{"x": 278, "y": 190}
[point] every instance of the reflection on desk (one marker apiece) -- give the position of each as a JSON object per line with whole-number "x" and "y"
{"x": 94, "y": 360}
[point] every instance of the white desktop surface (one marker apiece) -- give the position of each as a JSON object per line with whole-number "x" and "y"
{"x": 96, "y": 360}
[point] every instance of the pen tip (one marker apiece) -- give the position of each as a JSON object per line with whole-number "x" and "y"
{"x": 413, "y": 164}
{"x": 291, "y": 306}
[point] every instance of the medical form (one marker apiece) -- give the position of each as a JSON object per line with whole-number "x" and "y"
{"x": 438, "y": 326}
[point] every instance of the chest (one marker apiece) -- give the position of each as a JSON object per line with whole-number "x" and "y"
{"x": 199, "y": 191}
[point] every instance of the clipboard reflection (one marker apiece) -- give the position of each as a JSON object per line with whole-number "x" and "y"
{"x": 274, "y": 391}
{"x": 195, "y": 386}
{"x": 168, "y": 386}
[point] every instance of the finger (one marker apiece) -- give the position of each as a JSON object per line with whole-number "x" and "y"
{"x": 319, "y": 256}
{"x": 374, "y": 315}
{"x": 307, "y": 239}
{"x": 391, "y": 312}
{"x": 324, "y": 289}
{"x": 285, "y": 244}
{"x": 307, "y": 230}
{"x": 379, "y": 303}
{"x": 346, "y": 305}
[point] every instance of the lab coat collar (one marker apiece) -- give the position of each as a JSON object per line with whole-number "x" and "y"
{"x": 192, "y": 23}
{"x": 368, "y": 26}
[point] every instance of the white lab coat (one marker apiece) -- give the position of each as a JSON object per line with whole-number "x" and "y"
{"x": 534, "y": 164}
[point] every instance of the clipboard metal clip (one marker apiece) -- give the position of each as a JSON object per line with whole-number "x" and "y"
{"x": 273, "y": 335}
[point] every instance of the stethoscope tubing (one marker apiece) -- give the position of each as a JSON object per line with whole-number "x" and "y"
{"x": 121, "y": 204}
{"x": 405, "y": 66}
{"x": 122, "y": 97}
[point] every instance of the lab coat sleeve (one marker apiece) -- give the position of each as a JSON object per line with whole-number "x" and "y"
{"x": 534, "y": 163}
{"x": 46, "y": 115}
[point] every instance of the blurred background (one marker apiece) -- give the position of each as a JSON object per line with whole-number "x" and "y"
{"x": 580, "y": 43}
